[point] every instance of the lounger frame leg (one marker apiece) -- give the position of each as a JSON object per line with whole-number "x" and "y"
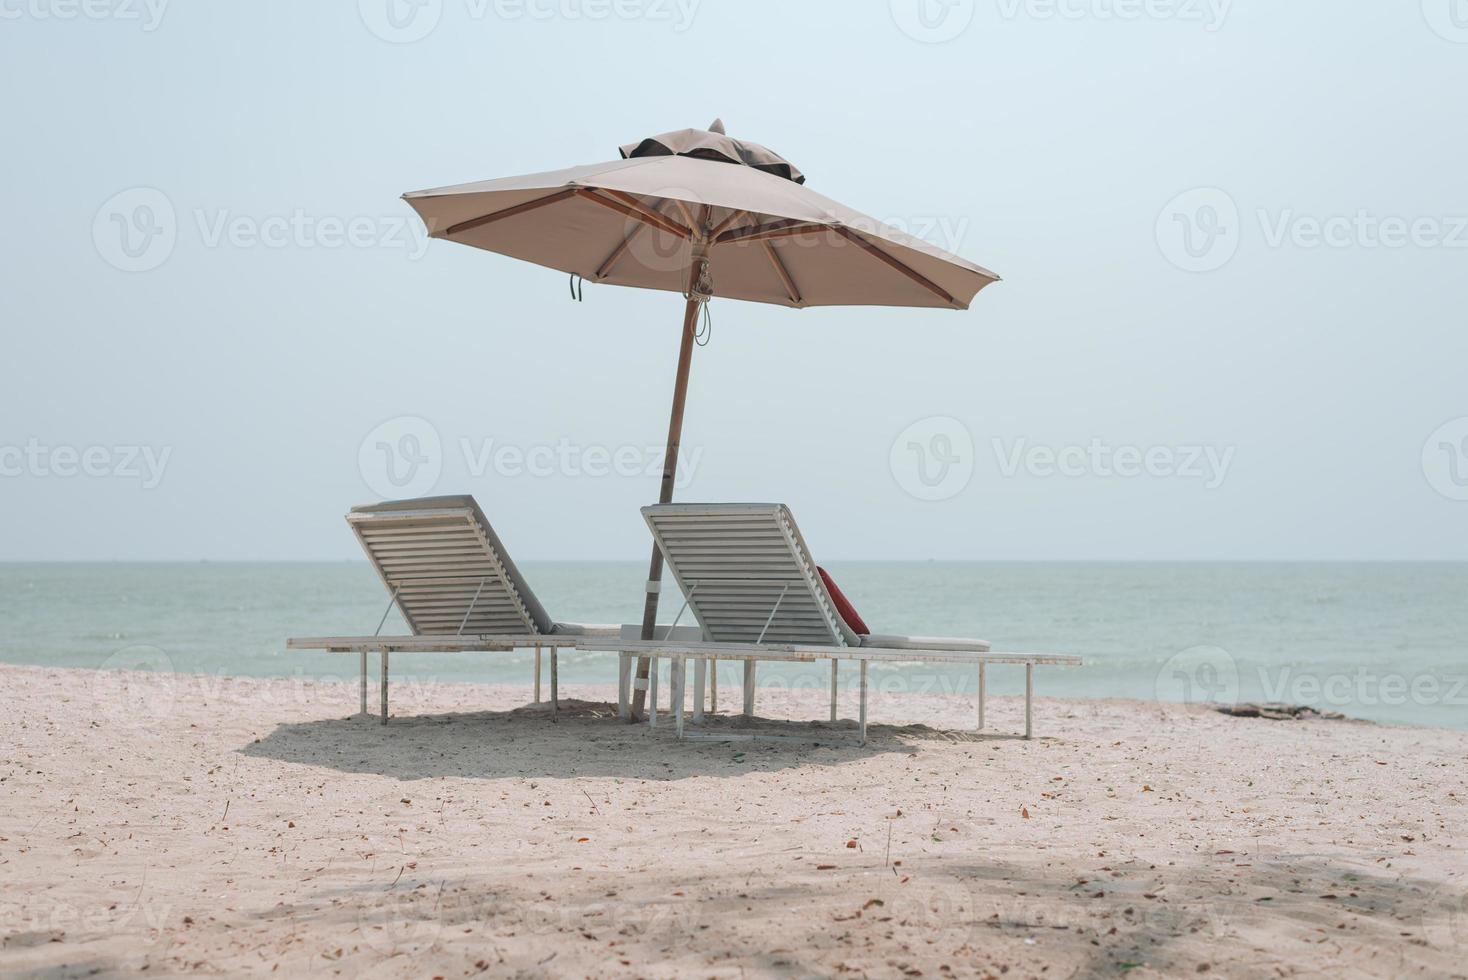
{"x": 749, "y": 689}
{"x": 537, "y": 675}
{"x": 652, "y": 692}
{"x": 982, "y": 693}
{"x": 677, "y": 675}
{"x": 700, "y": 678}
{"x": 624, "y": 680}
{"x": 834, "y": 665}
{"x": 1029, "y": 699}
{"x": 383, "y": 687}
{"x": 363, "y": 665}
{"x": 862, "y": 717}
{"x": 555, "y": 682}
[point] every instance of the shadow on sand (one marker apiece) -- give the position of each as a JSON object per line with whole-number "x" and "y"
{"x": 583, "y": 739}
{"x": 982, "y": 918}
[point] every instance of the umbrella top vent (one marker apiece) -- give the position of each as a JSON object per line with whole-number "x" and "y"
{"x": 714, "y": 144}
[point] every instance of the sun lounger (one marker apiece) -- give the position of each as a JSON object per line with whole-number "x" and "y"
{"x": 455, "y": 585}
{"x": 756, "y": 594}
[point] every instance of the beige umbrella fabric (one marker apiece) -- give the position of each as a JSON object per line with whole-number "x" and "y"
{"x": 699, "y": 213}
{"x": 640, "y": 221}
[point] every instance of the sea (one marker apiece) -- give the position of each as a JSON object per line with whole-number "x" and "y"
{"x": 1386, "y": 642}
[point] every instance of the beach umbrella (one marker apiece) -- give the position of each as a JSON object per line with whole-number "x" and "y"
{"x": 699, "y": 213}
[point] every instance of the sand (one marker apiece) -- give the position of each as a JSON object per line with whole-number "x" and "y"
{"x": 223, "y": 826}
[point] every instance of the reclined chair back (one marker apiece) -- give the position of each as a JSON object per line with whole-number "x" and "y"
{"x": 446, "y": 568}
{"x": 747, "y": 574}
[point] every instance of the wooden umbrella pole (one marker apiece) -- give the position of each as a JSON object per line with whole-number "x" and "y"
{"x": 670, "y": 472}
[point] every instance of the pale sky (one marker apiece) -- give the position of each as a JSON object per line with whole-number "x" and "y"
{"x": 1233, "y": 236}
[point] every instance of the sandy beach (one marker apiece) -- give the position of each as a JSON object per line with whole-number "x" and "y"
{"x": 156, "y": 824}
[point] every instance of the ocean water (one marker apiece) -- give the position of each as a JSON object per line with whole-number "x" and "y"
{"x": 1382, "y": 641}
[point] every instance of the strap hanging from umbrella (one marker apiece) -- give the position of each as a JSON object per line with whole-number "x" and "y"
{"x": 701, "y": 292}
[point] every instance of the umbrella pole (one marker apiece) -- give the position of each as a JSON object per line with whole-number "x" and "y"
{"x": 665, "y": 492}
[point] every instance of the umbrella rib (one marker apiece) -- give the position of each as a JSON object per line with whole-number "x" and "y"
{"x": 687, "y": 214}
{"x": 895, "y": 263}
{"x": 622, "y": 246}
{"x": 510, "y": 212}
{"x": 603, "y": 270}
{"x": 722, "y": 226}
{"x": 783, "y": 273}
{"x": 775, "y": 229}
{"x": 633, "y": 208}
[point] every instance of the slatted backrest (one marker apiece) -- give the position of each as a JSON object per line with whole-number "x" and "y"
{"x": 447, "y": 567}
{"x": 737, "y": 564}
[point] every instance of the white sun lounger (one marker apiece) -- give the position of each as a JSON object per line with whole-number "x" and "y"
{"x": 455, "y": 586}
{"x": 753, "y": 588}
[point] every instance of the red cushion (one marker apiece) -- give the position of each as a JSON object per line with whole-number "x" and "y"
{"x": 843, "y": 605}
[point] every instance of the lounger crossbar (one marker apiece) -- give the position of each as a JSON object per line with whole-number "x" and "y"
{"x": 703, "y": 654}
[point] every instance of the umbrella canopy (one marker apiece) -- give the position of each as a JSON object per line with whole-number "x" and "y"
{"x": 696, "y": 195}
{"x": 699, "y": 213}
